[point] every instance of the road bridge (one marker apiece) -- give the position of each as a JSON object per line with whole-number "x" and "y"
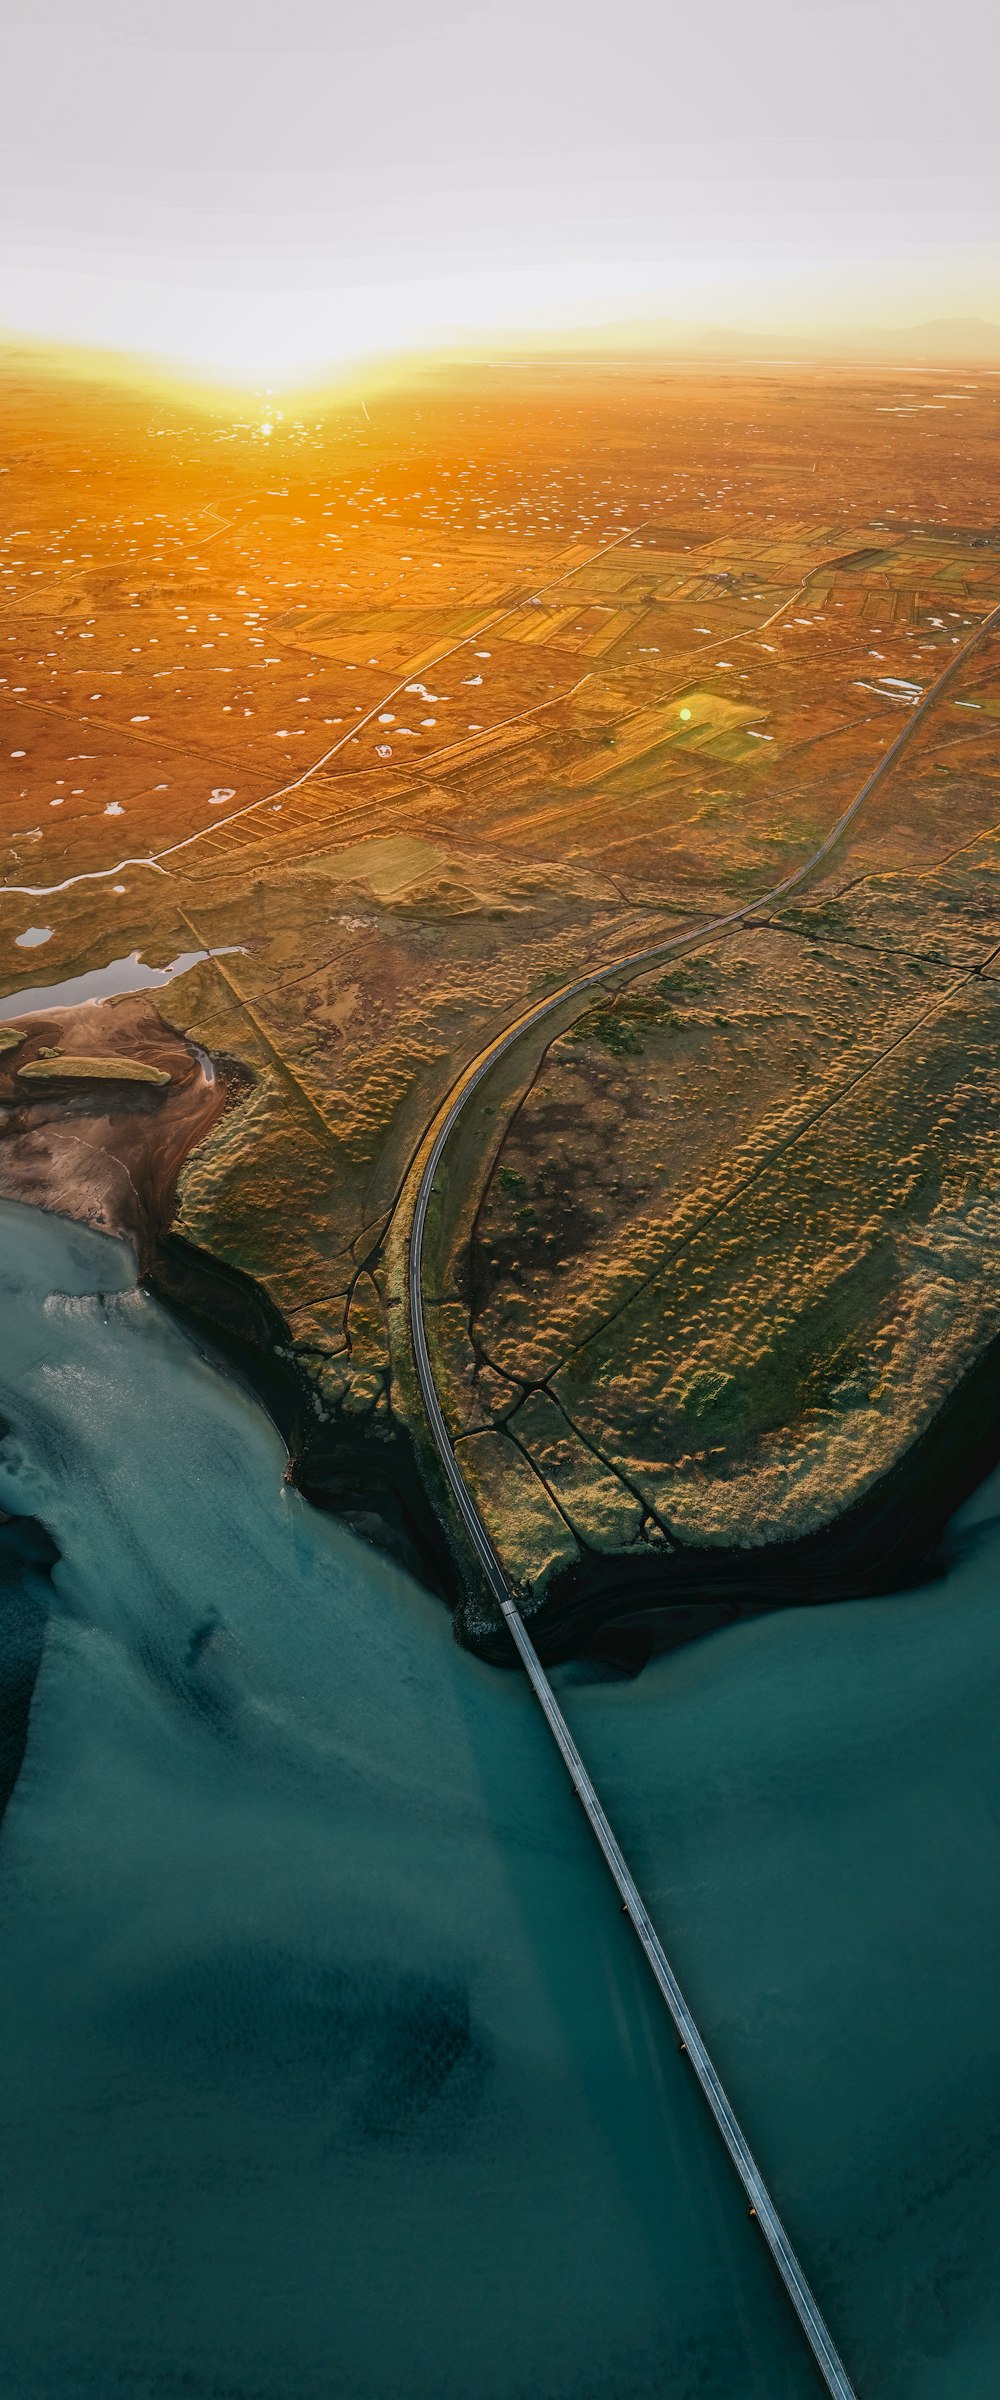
{"x": 807, "y": 2310}
{"x": 803, "y": 2301}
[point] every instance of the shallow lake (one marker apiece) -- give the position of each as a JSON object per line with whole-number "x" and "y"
{"x": 330, "y": 2067}
{"x": 129, "y": 974}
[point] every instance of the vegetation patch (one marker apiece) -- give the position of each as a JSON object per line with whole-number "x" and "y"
{"x": 58, "y": 1069}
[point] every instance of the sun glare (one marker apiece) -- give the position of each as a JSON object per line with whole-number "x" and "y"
{"x": 252, "y": 336}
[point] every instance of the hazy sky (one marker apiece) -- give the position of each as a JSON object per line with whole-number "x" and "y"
{"x": 260, "y": 189}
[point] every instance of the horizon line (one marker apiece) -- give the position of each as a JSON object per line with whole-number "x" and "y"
{"x": 967, "y": 342}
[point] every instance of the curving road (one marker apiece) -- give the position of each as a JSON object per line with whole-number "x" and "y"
{"x": 154, "y": 858}
{"x": 807, "y": 2310}
{"x": 281, "y": 791}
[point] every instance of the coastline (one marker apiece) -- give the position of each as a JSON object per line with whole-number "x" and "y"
{"x": 374, "y": 1472}
{"x": 364, "y": 1472}
{"x": 615, "y": 1609}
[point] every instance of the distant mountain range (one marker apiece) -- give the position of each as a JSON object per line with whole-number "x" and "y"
{"x": 940, "y": 343}
{"x": 965, "y": 338}
{"x": 961, "y": 341}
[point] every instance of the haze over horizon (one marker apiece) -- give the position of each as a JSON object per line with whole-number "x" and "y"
{"x": 260, "y": 195}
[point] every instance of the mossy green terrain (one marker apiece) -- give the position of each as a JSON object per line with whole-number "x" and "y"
{"x": 61, "y": 1067}
{"x": 713, "y": 1249}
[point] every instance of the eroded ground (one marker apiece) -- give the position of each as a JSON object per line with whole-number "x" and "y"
{"x": 412, "y": 717}
{"x": 100, "y": 1105}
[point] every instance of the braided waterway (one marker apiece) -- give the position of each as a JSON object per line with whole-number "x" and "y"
{"x": 329, "y": 2072}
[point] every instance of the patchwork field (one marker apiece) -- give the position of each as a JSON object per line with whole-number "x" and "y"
{"x": 397, "y": 719}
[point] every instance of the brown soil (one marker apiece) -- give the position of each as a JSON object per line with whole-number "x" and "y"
{"x": 107, "y": 1149}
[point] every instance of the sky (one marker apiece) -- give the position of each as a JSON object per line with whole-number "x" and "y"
{"x": 261, "y": 192}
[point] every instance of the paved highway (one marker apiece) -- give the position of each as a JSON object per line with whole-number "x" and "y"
{"x": 806, "y": 2307}
{"x": 281, "y": 791}
{"x": 807, "y": 2310}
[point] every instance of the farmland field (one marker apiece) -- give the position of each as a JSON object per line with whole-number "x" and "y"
{"x": 393, "y": 720}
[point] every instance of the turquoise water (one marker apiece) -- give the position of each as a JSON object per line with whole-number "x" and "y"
{"x": 812, "y": 1806}
{"x": 330, "y": 2071}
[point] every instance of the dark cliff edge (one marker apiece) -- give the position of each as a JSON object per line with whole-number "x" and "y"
{"x": 621, "y": 1611}
{"x": 612, "y": 1610}
{"x": 611, "y": 1613}
{"x": 363, "y": 1470}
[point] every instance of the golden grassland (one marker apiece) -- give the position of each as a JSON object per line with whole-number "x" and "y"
{"x": 412, "y": 714}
